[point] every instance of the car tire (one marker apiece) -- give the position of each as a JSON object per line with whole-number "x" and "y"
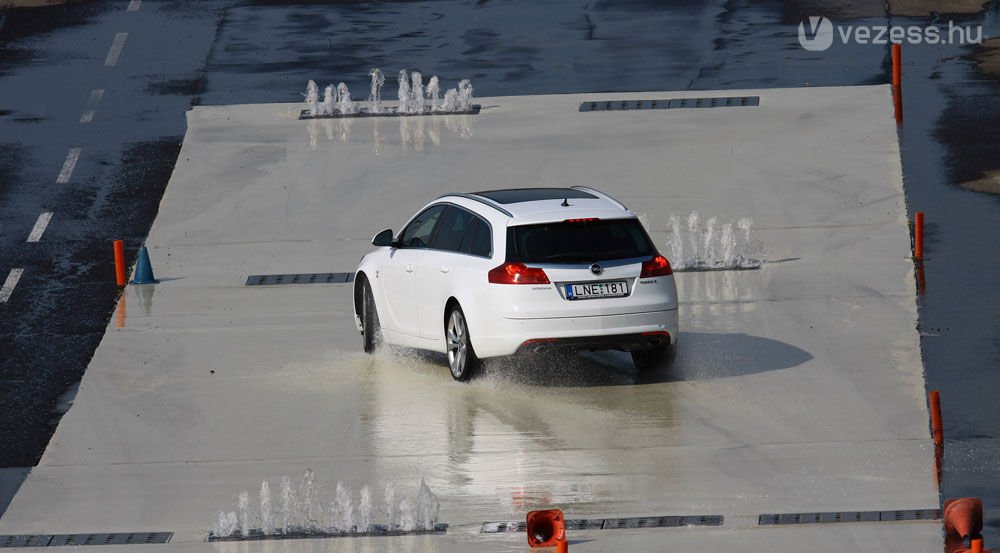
{"x": 371, "y": 330}
{"x": 654, "y": 358}
{"x": 462, "y": 360}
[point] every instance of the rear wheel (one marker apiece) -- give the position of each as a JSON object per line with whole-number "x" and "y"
{"x": 371, "y": 331}
{"x": 462, "y": 358}
{"x": 650, "y": 359}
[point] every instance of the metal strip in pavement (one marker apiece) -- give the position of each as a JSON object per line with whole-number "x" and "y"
{"x": 300, "y": 278}
{"x": 377, "y": 530}
{"x": 613, "y": 523}
{"x": 59, "y": 540}
{"x": 671, "y": 103}
{"x": 849, "y": 516}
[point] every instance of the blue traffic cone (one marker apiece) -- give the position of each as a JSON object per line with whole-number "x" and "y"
{"x": 143, "y": 269}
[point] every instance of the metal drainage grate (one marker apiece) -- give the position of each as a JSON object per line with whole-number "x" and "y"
{"x": 850, "y": 516}
{"x": 389, "y": 112}
{"x": 613, "y": 523}
{"x": 56, "y": 540}
{"x": 303, "y": 278}
{"x": 377, "y": 530}
{"x": 671, "y": 103}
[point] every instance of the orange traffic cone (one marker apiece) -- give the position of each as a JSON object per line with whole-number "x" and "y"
{"x": 963, "y": 516}
{"x": 546, "y": 529}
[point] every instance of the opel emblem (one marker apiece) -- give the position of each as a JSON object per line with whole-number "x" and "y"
{"x": 596, "y": 269}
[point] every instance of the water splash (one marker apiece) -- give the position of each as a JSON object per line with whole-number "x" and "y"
{"x": 342, "y": 510}
{"x": 266, "y": 519}
{"x": 711, "y": 246}
{"x": 312, "y": 98}
{"x": 404, "y": 92}
{"x": 287, "y": 504}
{"x": 416, "y": 93}
{"x": 303, "y": 512}
{"x": 226, "y": 524}
{"x": 243, "y": 512}
{"x": 434, "y": 92}
{"x": 414, "y": 97}
{"x": 464, "y": 95}
{"x": 344, "y": 103}
{"x": 375, "y": 97}
{"x": 365, "y": 510}
{"x": 427, "y": 507}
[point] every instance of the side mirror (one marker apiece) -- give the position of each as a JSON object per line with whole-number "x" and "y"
{"x": 383, "y": 238}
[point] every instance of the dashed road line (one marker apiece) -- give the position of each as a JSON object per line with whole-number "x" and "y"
{"x": 116, "y": 49}
{"x": 95, "y": 98}
{"x": 67, "y": 169}
{"x": 133, "y": 6}
{"x": 40, "y": 225}
{"x": 8, "y": 286}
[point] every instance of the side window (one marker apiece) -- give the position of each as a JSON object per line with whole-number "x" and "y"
{"x": 477, "y": 240}
{"x": 418, "y": 233}
{"x": 450, "y": 230}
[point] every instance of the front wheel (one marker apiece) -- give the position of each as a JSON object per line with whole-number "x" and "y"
{"x": 462, "y": 358}
{"x": 650, "y": 359}
{"x": 371, "y": 331}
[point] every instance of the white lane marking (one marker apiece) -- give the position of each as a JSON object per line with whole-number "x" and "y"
{"x": 40, "y": 224}
{"x": 116, "y": 49}
{"x": 8, "y": 286}
{"x": 95, "y": 98}
{"x": 133, "y": 6}
{"x": 67, "y": 169}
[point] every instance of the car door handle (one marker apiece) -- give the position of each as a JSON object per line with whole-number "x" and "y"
{"x": 445, "y": 269}
{"x": 409, "y": 268}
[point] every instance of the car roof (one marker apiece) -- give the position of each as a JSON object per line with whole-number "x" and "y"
{"x": 523, "y": 206}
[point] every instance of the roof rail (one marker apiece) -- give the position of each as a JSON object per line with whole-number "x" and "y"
{"x": 600, "y": 194}
{"x": 480, "y": 199}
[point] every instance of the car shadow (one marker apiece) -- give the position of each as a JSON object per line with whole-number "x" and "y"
{"x": 699, "y": 356}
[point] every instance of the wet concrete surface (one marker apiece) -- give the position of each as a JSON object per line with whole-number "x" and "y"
{"x": 265, "y": 51}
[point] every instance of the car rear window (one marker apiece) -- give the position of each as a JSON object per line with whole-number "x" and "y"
{"x": 578, "y": 241}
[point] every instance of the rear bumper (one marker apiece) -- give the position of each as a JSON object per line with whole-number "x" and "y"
{"x": 627, "y": 332}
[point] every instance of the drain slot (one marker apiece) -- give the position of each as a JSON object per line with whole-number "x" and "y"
{"x": 259, "y": 535}
{"x": 671, "y": 103}
{"x": 58, "y": 540}
{"x": 849, "y": 516}
{"x": 300, "y": 278}
{"x": 613, "y": 523}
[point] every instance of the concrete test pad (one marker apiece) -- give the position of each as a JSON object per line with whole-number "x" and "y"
{"x": 797, "y": 387}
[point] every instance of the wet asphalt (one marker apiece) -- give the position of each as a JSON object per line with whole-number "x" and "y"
{"x": 179, "y": 53}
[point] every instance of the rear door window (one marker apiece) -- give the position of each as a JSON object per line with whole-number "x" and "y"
{"x": 453, "y": 226}
{"x": 579, "y": 241}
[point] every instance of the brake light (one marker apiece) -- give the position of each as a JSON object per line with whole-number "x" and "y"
{"x": 658, "y": 266}
{"x": 517, "y": 273}
{"x": 584, "y": 220}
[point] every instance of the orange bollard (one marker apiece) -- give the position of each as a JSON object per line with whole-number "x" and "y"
{"x": 897, "y": 81}
{"x": 120, "y": 263}
{"x": 918, "y": 235}
{"x": 937, "y": 428}
{"x": 546, "y": 528}
{"x": 977, "y": 545}
{"x": 963, "y": 516}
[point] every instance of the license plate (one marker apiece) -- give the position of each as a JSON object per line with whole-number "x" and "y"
{"x": 588, "y": 290}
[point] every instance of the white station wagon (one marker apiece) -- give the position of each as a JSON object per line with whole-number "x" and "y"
{"x": 491, "y": 273}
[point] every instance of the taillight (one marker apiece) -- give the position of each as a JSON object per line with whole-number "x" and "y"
{"x": 658, "y": 266}
{"x": 517, "y": 273}
{"x": 584, "y": 220}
